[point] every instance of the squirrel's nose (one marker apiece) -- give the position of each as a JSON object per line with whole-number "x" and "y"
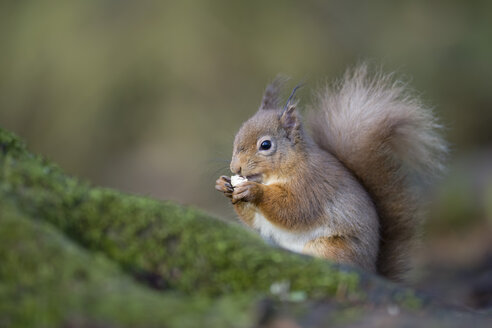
{"x": 235, "y": 167}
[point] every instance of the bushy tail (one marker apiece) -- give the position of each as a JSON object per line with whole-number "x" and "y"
{"x": 390, "y": 141}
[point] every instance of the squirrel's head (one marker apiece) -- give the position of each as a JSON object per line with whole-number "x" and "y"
{"x": 271, "y": 141}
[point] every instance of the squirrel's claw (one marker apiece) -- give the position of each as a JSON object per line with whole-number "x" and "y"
{"x": 223, "y": 184}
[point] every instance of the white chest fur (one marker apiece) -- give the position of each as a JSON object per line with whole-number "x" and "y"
{"x": 293, "y": 241}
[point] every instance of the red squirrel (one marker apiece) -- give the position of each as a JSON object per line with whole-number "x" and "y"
{"x": 348, "y": 189}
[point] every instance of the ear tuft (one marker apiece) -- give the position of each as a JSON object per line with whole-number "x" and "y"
{"x": 271, "y": 98}
{"x": 290, "y": 120}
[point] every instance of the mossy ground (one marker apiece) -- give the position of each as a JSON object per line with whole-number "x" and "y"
{"x": 160, "y": 240}
{"x": 73, "y": 253}
{"x": 48, "y": 281}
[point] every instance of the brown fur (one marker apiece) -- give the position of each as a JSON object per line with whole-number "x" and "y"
{"x": 329, "y": 195}
{"x": 245, "y": 211}
{"x": 334, "y": 248}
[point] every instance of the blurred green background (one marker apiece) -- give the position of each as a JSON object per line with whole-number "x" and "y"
{"x": 146, "y": 96}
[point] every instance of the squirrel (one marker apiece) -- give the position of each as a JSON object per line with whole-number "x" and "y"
{"x": 348, "y": 190}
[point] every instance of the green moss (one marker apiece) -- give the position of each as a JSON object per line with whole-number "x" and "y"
{"x": 409, "y": 300}
{"x": 47, "y": 281}
{"x": 180, "y": 248}
{"x": 11, "y": 144}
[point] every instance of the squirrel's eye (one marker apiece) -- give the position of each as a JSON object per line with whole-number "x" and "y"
{"x": 265, "y": 145}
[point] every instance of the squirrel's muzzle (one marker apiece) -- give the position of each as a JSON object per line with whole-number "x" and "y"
{"x": 235, "y": 166}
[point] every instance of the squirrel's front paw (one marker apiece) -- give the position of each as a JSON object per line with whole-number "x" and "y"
{"x": 248, "y": 191}
{"x": 223, "y": 184}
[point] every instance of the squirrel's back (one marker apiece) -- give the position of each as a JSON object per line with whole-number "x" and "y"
{"x": 390, "y": 141}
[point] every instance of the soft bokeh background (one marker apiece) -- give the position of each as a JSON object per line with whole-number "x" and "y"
{"x": 145, "y": 96}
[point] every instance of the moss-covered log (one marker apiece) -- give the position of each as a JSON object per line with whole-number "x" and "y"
{"x": 134, "y": 261}
{"x": 170, "y": 246}
{"x": 48, "y": 281}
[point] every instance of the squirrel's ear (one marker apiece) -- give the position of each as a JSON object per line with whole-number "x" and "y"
{"x": 271, "y": 98}
{"x": 291, "y": 121}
